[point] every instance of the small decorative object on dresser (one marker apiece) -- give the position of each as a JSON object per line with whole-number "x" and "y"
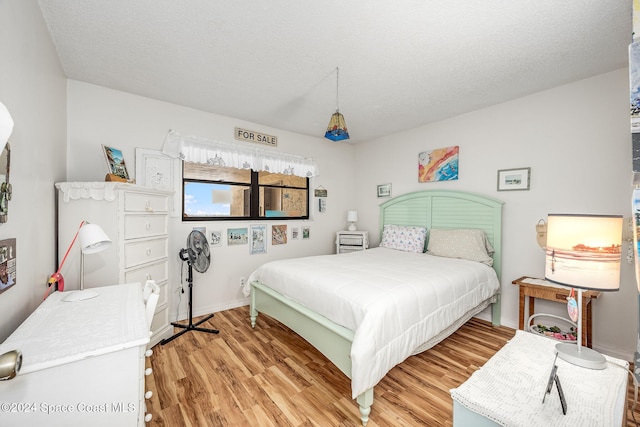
{"x": 350, "y": 241}
{"x": 115, "y": 162}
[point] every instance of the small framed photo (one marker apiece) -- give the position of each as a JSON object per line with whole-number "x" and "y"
{"x": 278, "y": 234}
{"x": 295, "y": 233}
{"x": 384, "y": 190}
{"x": 514, "y": 179}
{"x": 322, "y": 204}
{"x": 258, "y": 237}
{"x": 237, "y": 236}
{"x": 115, "y": 162}
{"x": 216, "y": 238}
{"x": 306, "y": 233}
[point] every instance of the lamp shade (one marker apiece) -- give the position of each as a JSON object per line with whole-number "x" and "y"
{"x": 352, "y": 216}
{"x": 583, "y": 251}
{"x": 6, "y": 126}
{"x": 337, "y": 128}
{"x": 93, "y": 239}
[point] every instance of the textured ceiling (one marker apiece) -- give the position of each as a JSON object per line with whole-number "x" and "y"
{"x": 403, "y": 63}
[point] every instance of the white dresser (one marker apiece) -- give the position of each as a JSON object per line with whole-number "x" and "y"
{"x": 136, "y": 219}
{"x": 83, "y": 362}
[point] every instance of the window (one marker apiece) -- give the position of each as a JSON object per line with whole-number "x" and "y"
{"x": 223, "y": 193}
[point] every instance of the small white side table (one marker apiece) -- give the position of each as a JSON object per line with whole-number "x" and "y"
{"x": 350, "y": 241}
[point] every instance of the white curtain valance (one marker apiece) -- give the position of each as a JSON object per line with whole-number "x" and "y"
{"x": 218, "y": 153}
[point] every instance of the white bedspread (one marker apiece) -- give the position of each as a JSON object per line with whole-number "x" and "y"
{"x": 393, "y": 301}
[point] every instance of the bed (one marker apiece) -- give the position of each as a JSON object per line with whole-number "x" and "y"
{"x": 358, "y": 334}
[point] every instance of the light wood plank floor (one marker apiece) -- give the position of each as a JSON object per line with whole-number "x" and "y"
{"x": 269, "y": 376}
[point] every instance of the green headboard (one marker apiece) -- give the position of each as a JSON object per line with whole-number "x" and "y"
{"x": 448, "y": 209}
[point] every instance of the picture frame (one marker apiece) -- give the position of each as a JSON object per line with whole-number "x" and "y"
{"x": 8, "y": 277}
{"x": 237, "y": 236}
{"x": 258, "y": 237}
{"x": 384, "y": 190}
{"x": 295, "y": 233}
{"x": 322, "y": 204}
{"x": 279, "y": 234}
{"x": 216, "y": 238}
{"x": 115, "y": 162}
{"x": 514, "y": 179}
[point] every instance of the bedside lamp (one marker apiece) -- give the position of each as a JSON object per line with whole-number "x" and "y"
{"x": 352, "y": 217}
{"x": 583, "y": 252}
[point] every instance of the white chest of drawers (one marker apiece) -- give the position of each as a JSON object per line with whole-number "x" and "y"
{"x": 136, "y": 219}
{"x": 83, "y": 362}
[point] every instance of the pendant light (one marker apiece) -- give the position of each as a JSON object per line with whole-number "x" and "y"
{"x": 337, "y": 129}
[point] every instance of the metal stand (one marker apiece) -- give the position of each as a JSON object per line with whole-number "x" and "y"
{"x": 191, "y": 326}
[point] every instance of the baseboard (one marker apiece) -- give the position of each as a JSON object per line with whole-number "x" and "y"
{"x": 201, "y": 311}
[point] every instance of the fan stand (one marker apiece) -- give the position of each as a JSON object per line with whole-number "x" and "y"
{"x": 191, "y": 326}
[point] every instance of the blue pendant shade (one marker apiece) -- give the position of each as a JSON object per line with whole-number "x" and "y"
{"x": 337, "y": 129}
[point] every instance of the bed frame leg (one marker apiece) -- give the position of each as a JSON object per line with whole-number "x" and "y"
{"x": 253, "y": 313}
{"x": 365, "y": 400}
{"x": 495, "y": 311}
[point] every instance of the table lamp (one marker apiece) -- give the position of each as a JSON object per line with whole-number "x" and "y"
{"x": 93, "y": 239}
{"x": 352, "y": 217}
{"x": 583, "y": 252}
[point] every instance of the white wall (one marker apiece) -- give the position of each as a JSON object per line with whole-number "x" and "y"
{"x": 102, "y": 116}
{"x": 576, "y": 140}
{"x": 33, "y": 87}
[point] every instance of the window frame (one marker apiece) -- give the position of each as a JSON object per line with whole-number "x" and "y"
{"x": 254, "y": 202}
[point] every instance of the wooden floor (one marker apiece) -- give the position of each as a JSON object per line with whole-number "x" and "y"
{"x": 269, "y": 376}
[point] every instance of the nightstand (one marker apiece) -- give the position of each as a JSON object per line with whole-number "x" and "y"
{"x": 538, "y": 288}
{"x": 351, "y": 241}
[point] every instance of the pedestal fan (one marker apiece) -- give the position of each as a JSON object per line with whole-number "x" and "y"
{"x": 197, "y": 256}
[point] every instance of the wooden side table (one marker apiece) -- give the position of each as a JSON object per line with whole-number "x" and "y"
{"x": 537, "y": 288}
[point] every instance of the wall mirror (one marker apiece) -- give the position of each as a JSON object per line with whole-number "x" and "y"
{"x": 5, "y": 185}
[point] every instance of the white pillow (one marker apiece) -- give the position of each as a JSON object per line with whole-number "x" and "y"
{"x": 469, "y": 244}
{"x": 404, "y": 238}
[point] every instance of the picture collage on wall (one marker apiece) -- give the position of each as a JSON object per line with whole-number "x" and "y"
{"x": 256, "y": 236}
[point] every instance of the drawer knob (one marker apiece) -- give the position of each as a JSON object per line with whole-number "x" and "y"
{"x": 147, "y": 206}
{"x": 148, "y": 251}
{"x": 148, "y": 371}
{"x": 147, "y": 226}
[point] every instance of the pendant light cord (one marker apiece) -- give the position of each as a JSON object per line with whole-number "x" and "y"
{"x": 337, "y": 89}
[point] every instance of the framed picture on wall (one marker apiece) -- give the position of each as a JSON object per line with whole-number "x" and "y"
{"x": 384, "y": 190}
{"x": 7, "y": 264}
{"x": 514, "y": 179}
{"x": 258, "y": 239}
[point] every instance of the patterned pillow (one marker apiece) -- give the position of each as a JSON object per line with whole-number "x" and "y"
{"x": 470, "y": 244}
{"x": 404, "y": 238}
